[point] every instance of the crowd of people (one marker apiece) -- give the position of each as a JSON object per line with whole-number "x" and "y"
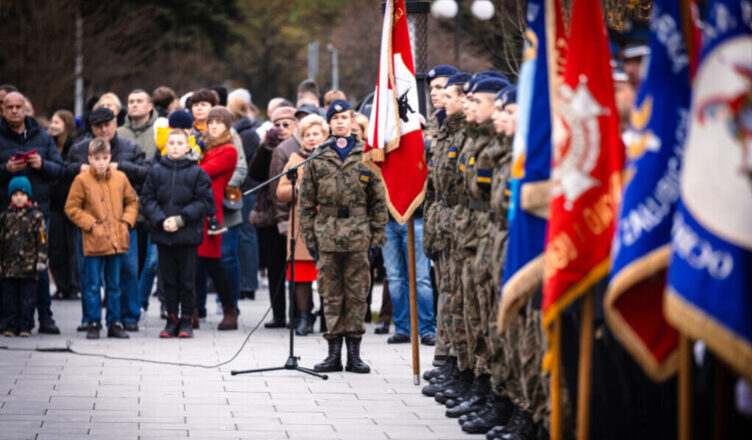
{"x": 151, "y": 196}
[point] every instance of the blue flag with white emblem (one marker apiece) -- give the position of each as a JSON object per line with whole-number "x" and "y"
{"x": 709, "y": 293}
{"x": 641, "y": 248}
{"x": 531, "y": 169}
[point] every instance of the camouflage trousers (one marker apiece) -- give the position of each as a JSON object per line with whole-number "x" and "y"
{"x": 443, "y": 311}
{"x": 523, "y": 380}
{"x": 343, "y": 283}
{"x": 458, "y": 329}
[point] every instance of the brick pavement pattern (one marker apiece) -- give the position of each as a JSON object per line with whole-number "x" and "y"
{"x": 61, "y": 396}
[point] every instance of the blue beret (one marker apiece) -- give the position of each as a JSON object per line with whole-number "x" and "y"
{"x": 337, "y": 106}
{"x": 440, "y": 71}
{"x": 459, "y": 79}
{"x": 494, "y": 74}
{"x": 507, "y": 95}
{"x": 489, "y": 85}
{"x": 472, "y": 81}
{"x": 180, "y": 119}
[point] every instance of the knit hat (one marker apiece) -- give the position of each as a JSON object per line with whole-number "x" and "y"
{"x": 244, "y": 94}
{"x": 221, "y": 113}
{"x": 20, "y": 183}
{"x": 337, "y": 106}
{"x": 221, "y": 94}
{"x": 283, "y": 113}
{"x": 180, "y": 119}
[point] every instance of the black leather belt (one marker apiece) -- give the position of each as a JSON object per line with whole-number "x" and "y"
{"x": 343, "y": 211}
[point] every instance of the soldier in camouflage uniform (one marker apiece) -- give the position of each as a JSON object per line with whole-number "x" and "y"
{"x": 342, "y": 219}
{"x": 437, "y": 79}
{"x": 469, "y": 227}
{"x": 23, "y": 254}
{"x": 522, "y": 345}
{"x": 447, "y": 181}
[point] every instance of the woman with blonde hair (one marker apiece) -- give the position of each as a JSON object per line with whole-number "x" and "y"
{"x": 360, "y": 126}
{"x": 111, "y": 101}
{"x": 313, "y": 129}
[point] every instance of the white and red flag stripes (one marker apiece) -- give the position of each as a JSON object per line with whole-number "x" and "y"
{"x": 395, "y": 148}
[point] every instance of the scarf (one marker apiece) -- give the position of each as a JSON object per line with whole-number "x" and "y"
{"x": 343, "y": 152}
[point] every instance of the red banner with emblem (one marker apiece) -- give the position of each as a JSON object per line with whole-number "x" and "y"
{"x": 588, "y": 159}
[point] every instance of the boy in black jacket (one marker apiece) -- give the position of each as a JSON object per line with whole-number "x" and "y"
{"x": 175, "y": 198}
{"x": 23, "y": 254}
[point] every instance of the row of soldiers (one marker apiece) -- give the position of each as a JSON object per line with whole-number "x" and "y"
{"x": 491, "y": 381}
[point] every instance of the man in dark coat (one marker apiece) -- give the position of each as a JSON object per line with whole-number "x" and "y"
{"x": 27, "y": 149}
{"x": 128, "y": 158}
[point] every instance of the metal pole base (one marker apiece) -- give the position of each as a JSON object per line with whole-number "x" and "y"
{"x": 291, "y": 364}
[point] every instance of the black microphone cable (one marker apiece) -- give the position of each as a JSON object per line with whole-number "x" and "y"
{"x": 69, "y": 346}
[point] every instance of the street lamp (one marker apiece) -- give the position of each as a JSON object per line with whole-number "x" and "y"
{"x": 449, "y": 9}
{"x": 481, "y": 9}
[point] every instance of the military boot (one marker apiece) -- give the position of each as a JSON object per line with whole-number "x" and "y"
{"x": 473, "y": 400}
{"x": 458, "y": 389}
{"x": 519, "y": 427}
{"x": 439, "y": 371}
{"x": 354, "y": 363}
{"x": 497, "y": 414}
{"x": 333, "y": 362}
{"x": 438, "y": 384}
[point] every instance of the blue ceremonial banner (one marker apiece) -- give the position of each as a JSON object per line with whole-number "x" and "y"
{"x": 709, "y": 293}
{"x": 531, "y": 166}
{"x": 640, "y": 252}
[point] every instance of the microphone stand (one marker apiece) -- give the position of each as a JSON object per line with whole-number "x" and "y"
{"x": 292, "y": 360}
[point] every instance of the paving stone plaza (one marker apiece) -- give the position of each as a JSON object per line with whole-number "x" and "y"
{"x": 65, "y": 396}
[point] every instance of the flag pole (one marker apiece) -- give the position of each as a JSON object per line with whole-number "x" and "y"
{"x": 585, "y": 367}
{"x": 413, "y": 299}
{"x": 556, "y": 409}
{"x": 685, "y": 388}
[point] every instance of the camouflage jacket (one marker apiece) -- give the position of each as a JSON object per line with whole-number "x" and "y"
{"x": 328, "y": 184}
{"x": 23, "y": 242}
{"x": 432, "y": 240}
{"x": 469, "y": 220}
{"x": 500, "y": 158}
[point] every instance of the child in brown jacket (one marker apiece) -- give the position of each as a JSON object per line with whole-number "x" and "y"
{"x": 104, "y": 205}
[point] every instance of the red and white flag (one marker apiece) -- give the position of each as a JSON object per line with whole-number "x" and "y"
{"x": 395, "y": 148}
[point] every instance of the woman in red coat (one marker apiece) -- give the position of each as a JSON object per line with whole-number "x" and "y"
{"x": 219, "y": 160}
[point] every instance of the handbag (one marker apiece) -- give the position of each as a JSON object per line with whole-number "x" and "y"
{"x": 233, "y": 198}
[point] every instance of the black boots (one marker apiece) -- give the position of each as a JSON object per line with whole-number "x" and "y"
{"x": 303, "y": 326}
{"x": 498, "y": 411}
{"x": 354, "y": 363}
{"x": 456, "y": 389}
{"x": 171, "y": 328}
{"x": 519, "y": 427}
{"x": 186, "y": 327}
{"x": 333, "y": 362}
{"x": 441, "y": 382}
{"x": 473, "y": 400}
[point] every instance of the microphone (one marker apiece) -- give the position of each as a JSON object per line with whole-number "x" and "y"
{"x": 327, "y": 143}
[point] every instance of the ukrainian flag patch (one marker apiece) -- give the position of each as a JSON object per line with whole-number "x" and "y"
{"x": 484, "y": 175}
{"x": 462, "y": 164}
{"x": 430, "y": 165}
{"x": 365, "y": 176}
{"x": 452, "y": 154}
{"x": 472, "y": 161}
